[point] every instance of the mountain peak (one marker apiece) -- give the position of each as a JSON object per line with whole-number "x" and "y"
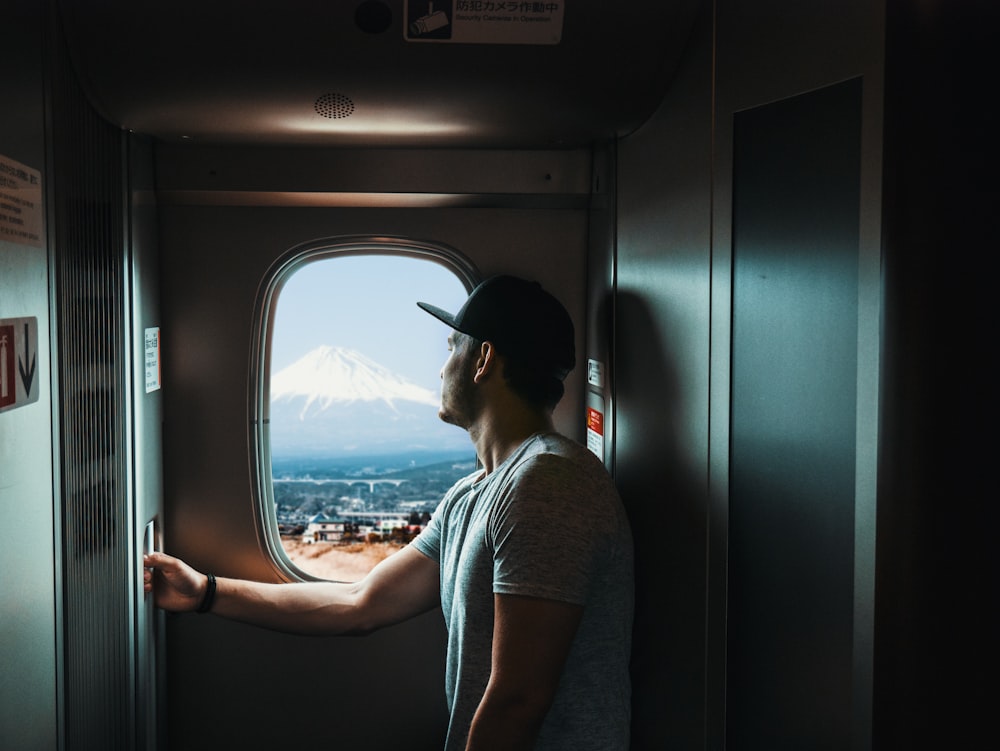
{"x": 330, "y": 375}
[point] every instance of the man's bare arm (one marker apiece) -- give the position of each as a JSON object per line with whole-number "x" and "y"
{"x": 531, "y": 641}
{"x": 403, "y": 585}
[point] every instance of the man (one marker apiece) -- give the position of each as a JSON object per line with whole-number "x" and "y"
{"x": 530, "y": 557}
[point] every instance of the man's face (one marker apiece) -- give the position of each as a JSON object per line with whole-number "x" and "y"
{"x": 457, "y": 386}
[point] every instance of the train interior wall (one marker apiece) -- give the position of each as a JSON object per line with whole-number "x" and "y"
{"x": 29, "y": 532}
{"x": 811, "y": 561}
{"x": 735, "y": 260}
{"x": 206, "y": 351}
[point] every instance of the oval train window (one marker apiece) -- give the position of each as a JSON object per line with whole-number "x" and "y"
{"x": 356, "y": 457}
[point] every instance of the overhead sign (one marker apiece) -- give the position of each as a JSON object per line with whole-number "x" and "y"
{"x": 20, "y": 204}
{"x": 484, "y": 21}
{"x": 19, "y": 376}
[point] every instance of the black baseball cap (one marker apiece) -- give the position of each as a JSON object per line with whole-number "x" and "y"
{"x": 522, "y": 320}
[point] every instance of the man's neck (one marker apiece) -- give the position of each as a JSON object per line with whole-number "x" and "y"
{"x": 498, "y": 432}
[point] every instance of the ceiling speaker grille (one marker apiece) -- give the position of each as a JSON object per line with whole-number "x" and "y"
{"x": 334, "y": 106}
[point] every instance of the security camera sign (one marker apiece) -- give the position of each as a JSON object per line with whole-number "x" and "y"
{"x": 19, "y": 379}
{"x": 484, "y": 21}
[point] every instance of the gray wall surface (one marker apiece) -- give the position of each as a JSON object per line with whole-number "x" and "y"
{"x": 28, "y": 536}
{"x": 674, "y": 347}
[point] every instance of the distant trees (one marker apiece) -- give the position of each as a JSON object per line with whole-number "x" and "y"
{"x": 286, "y": 496}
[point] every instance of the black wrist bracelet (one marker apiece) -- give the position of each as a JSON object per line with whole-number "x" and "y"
{"x": 209, "y": 598}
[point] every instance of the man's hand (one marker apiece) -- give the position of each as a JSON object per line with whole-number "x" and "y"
{"x": 175, "y": 586}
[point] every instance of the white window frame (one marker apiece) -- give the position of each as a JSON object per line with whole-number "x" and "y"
{"x": 259, "y": 406}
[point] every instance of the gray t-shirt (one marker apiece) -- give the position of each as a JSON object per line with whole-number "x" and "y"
{"x": 547, "y": 523}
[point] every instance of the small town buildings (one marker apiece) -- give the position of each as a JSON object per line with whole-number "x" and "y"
{"x": 321, "y": 528}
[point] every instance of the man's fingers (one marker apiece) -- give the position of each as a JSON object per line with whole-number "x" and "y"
{"x": 157, "y": 560}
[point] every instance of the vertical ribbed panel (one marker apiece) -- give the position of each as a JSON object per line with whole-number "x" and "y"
{"x": 98, "y": 574}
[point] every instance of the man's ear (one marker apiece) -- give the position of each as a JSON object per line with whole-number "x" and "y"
{"x": 486, "y": 362}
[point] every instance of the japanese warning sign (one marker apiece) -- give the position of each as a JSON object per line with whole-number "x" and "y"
{"x": 20, "y": 204}
{"x": 484, "y": 21}
{"x": 151, "y": 360}
{"x": 18, "y": 362}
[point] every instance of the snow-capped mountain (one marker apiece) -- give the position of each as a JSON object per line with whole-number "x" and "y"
{"x": 331, "y": 375}
{"x": 337, "y": 401}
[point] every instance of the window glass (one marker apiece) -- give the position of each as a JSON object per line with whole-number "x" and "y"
{"x": 359, "y": 458}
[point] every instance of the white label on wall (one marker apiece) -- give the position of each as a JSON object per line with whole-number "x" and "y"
{"x": 595, "y": 373}
{"x": 152, "y": 359}
{"x": 20, "y": 204}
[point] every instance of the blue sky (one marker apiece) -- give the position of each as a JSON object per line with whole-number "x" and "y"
{"x": 368, "y": 303}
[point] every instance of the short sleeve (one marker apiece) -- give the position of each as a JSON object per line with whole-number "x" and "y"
{"x": 543, "y": 533}
{"x": 428, "y": 541}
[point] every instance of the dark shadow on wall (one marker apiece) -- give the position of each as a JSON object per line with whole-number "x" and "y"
{"x": 666, "y": 500}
